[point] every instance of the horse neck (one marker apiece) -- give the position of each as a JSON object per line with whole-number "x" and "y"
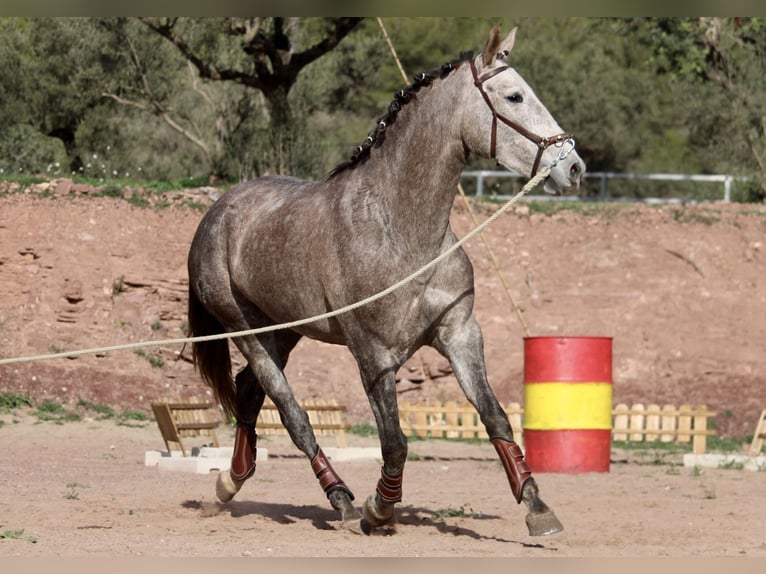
{"x": 414, "y": 174}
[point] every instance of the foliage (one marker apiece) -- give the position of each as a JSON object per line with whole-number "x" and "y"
{"x": 50, "y": 411}
{"x": 72, "y": 492}
{"x": 17, "y": 535}
{"x": 154, "y": 360}
{"x": 721, "y": 64}
{"x": 10, "y": 401}
{"x": 233, "y": 98}
{"x": 103, "y": 411}
{"x": 264, "y": 55}
{"x": 450, "y": 512}
{"x": 364, "y": 429}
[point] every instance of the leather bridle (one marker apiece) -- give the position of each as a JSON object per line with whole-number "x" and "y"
{"x": 541, "y": 142}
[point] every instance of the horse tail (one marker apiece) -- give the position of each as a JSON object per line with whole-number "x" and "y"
{"x": 211, "y": 358}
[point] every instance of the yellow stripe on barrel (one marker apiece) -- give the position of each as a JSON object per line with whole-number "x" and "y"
{"x": 564, "y": 406}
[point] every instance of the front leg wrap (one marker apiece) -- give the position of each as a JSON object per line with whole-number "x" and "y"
{"x": 379, "y": 508}
{"x": 328, "y": 478}
{"x": 390, "y": 487}
{"x": 515, "y": 466}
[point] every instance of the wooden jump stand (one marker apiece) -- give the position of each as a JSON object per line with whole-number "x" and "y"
{"x": 178, "y": 419}
{"x": 326, "y": 417}
{"x": 759, "y": 436}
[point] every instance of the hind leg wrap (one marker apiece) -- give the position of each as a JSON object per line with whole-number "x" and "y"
{"x": 325, "y": 473}
{"x": 514, "y": 464}
{"x": 245, "y": 451}
{"x": 242, "y": 463}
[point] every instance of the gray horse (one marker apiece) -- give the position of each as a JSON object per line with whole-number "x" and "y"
{"x": 279, "y": 249}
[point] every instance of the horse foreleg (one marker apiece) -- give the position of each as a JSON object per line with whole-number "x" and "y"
{"x": 540, "y": 519}
{"x": 338, "y": 493}
{"x": 463, "y": 347}
{"x": 378, "y": 509}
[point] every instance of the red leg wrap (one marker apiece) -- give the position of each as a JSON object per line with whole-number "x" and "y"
{"x": 328, "y": 478}
{"x": 515, "y": 466}
{"x": 390, "y": 487}
{"x": 243, "y": 459}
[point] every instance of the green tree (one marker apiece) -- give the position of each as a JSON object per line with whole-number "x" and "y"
{"x": 49, "y": 78}
{"x": 264, "y": 54}
{"x": 218, "y": 121}
{"x": 722, "y": 64}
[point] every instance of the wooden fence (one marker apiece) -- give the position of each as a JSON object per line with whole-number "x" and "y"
{"x": 326, "y": 418}
{"x": 452, "y": 420}
{"x": 634, "y": 424}
{"x": 666, "y": 424}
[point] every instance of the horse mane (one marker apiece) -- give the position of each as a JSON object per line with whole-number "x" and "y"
{"x": 377, "y": 135}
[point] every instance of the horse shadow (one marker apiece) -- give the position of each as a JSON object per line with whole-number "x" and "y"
{"x": 327, "y": 519}
{"x": 321, "y": 518}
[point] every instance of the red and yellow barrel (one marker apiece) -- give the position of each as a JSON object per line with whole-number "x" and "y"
{"x": 568, "y": 403}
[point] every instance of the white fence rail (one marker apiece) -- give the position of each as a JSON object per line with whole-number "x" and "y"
{"x": 603, "y": 177}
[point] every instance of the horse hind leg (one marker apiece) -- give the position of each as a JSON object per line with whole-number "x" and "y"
{"x": 250, "y": 397}
{"x": 266, "y": 359}
{"x": 249, "y": 400}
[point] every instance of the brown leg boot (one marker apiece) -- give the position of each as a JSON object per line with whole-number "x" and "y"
{"x": 328, "y": 478}
{"x": 515, "y": 466}
{"x": 390, "y": 487}
{"x": 242, "y": 463}
{"x": 243, "y": 459}
{"x": 540, "y": 519}
{"x": 378, "y": 509}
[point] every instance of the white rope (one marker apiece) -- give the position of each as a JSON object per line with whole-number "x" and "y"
{"x": 292, "y": 324}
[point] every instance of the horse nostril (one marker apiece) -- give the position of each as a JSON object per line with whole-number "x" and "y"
{"x": 574, "y": 171}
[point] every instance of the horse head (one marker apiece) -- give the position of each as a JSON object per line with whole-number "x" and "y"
{"x": 507, "y": 122}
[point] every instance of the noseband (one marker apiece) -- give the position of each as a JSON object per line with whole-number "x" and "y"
{"x": 541, "y": 142}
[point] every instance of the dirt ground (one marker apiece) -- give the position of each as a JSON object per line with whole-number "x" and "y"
{"x": 82, "y": 490}
{"x": 681, "y": 289}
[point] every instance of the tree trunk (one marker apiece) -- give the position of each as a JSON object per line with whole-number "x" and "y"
{"x": 68, "y": 138}
{"x": 281, "y": 131}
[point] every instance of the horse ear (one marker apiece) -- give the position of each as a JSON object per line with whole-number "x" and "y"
{"x": 507, "y": 45}
{"x": 491, "y": 48}
{"x": 495, "y": 46}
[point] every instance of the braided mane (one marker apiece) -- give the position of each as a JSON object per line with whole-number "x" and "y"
{"x": 377, "y": 135}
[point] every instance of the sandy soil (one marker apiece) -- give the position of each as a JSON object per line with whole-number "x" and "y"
{"x": 679, "y": 288}
{"x": 81, "y": 490}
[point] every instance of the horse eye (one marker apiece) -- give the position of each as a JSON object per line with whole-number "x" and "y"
{"x": 515, "y": 98}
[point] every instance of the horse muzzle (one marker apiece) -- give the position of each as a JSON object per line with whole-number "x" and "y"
{"x": 567, "y": 172}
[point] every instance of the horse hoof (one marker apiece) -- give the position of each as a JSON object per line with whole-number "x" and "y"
{"x": 543, "y": 523}
{"x": 226, "y": 487}
{"x": 355, "y": 526}
{"x": 374, "y": 515}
